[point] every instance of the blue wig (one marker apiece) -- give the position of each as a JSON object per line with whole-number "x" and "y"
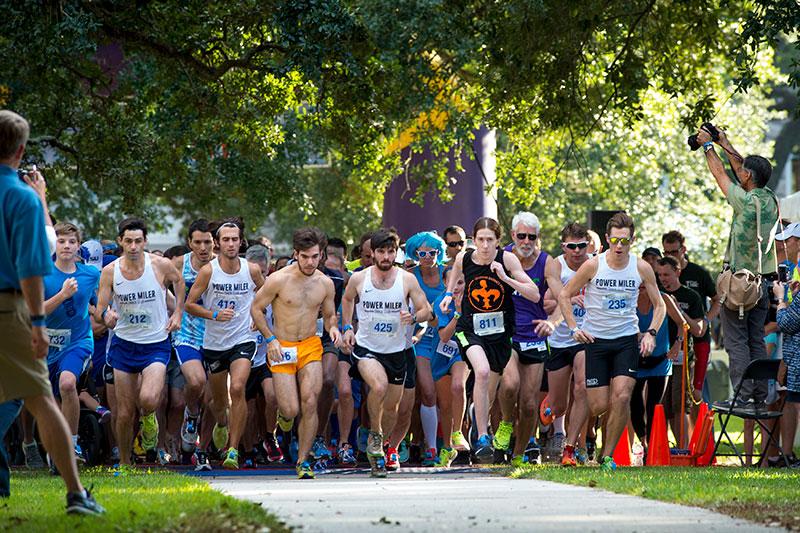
{"x": 428, "y": 239}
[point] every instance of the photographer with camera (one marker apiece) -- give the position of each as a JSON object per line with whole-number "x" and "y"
{"x": 749, "y": 268}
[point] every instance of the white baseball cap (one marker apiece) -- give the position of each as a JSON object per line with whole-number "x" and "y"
{"x": 792, "y": 230}
{"x": 92, "y": 254}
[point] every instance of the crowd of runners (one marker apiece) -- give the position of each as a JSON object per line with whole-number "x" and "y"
{"x": 446, "y": 346}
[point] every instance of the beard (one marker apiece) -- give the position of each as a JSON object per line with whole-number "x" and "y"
{"x": 526, "y": 251}
{"x": 384, "y": 266}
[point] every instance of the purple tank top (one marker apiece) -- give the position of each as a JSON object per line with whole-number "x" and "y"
{"x": 525, "y": 310}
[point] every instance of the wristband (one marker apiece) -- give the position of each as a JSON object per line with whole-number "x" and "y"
{"x": 270, "y": 339}
{"x": 214, "y": 315}
{"x": 708, "y": 146}
{"x": 448, "y": 293}
{"x": 103, "y": 314}
{"x": 456, "y": 315}
{"x": 414, "y": 318}
{"x": 38, "y": 321}
{"x": 347, "y": 327}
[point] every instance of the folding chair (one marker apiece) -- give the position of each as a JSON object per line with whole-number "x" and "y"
{"x": 760, "y": 369}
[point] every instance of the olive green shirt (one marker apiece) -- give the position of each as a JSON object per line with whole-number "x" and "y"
{"x": 742, "y": 250}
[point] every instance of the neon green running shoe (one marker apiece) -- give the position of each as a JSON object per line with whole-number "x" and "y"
{"x": 149, "y": 432}
{"x": 220, "y": 436}
{"x": 285, "y": 423}
{"x": 502, "y": 437}
{"x": 460, "y": 443}
{"x": 231, "y": 461}
{"x": 518, "y": 461}
{"x": 447, "y": 456}
{"x": 304, "y": 470}
{"x": 608, "y": 465}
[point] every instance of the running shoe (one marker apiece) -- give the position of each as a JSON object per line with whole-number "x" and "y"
{"x": 271, "y": 448}
{"x": 319, "y": 449}
{"x": 581, "y": 456}
{"x": 519, "y": 461}
{"x": 83, "y": 503}
{"x": 430, "y": 458}
{"x": 546, "y": 414}
{"x": 447, "y": 456}
{"x": 103, "y": 414}
{"x": 533, "y": 453}
{"x": 608, "y": 464}
{"x": 591, "y": 448}
{"x": 502, "y": 437}
{"x": 556, "y": 445}
{"x": 375, "y": 444}
{"x": 403, "y": 452}
{"x": 188, "y": 432}
{"x": 362, "y": 435}
{"x": 378, "y": 466}
{"x": 149, "y": 431}
{"x": 392, "y": 460}
{"x": 345, "y": 455}
{"x": 568, "y": 456}
{"x": 79, "y": 454}
{"x": 114, "y": 454}
{"x": 304, "y": 470}
{"x": 219, "y": 436}
{"x": 484, "y": 452}
{"x": 284, "y": 423}
{"x": 231, "y": 461}
{"x": 459, "y": 442}
{"x": 33, "y": 459}
{"x": 200, "y": 461}
{"x": 163, "y": 457}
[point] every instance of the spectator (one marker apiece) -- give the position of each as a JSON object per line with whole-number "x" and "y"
{"x": 788, "y": 318}
{"x": 749, "y": 248}
{"x": 24, "y": 260}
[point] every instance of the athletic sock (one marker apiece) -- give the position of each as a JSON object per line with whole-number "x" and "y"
{"x": 558, "y": 424}
{"x": 74, "y": 441}
{"x": 430, "y": 421}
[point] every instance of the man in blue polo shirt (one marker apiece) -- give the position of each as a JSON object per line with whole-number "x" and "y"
{"x": 69, "y": 290}
{"x": 24, "y": 260}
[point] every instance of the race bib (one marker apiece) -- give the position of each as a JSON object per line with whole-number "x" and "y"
{"x": 320, "y": 326}
{"x": 488, "y": 323}
{"x": 448, "y": 349}
{"x": 59, "y": 338}
{"x": 578, "y": 311}
{"x": 288, "y": 356}
{"x": 617, "y": 303}
{"x": 539, "y": 346}
{"x": 142, "y": 319}
{"x": 386, "y": 325}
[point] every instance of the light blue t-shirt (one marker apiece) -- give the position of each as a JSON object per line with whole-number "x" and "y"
{"x": 69, "y": 325}
{"x": 24, "y": 251}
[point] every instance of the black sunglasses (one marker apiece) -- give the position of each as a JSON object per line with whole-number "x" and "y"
{"x": 529, "y": 236}
{"x": 576, "y": 245}
{"x": 453, "y": 244}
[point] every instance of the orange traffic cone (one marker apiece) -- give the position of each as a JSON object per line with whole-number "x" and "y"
{"x": 694, "y": 442}
{"x": 622, "y": 453}
{"x": 658, "y": 447}
{"x": 708, "y": 455}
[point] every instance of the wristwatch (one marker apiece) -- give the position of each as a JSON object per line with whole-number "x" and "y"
{"x": 652, "y": 332}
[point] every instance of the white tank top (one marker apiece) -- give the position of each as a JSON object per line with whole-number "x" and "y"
{"x": 610, "y": 300}
{"x": 561, "y": 337}
{"x": 229, "y": 291}
{"x": 379, "y": 328}
{"x": 141, "y": 304}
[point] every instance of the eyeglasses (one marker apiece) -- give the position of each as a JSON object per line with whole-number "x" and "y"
{"x": 528, "y": 236}
{"x": 576, "y": 245}
{"x": 624, "y": 241}
{"x": 455, "y": 244}
{"x": 675, "y": 252}
{"x": 423, "y": 253}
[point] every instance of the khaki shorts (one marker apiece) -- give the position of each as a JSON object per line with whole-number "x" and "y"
{"x": 21, "y": 376}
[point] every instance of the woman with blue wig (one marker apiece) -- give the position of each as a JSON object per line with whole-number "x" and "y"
{"x": 429, "y": 250}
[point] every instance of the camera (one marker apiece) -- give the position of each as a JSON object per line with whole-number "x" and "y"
{"x": 22, "y": 172}
{"x": 783, "y": 273}
{"x": 709, "y": 127}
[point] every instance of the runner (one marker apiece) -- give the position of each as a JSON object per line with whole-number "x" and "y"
{"x": 485, "y": 328}
{"x": 566, "y": 368}
{"x": 188, "y": 341}
{"x": 455, "y": 237}
{"x": 610, "y": 329}
{"x": 450, "y": 374}
{"x": 69, "y": 291}
{"x": 522, "y": 379}
{"x": 427, "y": 248}
{"x": 227, "y": 286}
{"x": 297, "y": 293}
{"x": 140, "y": 347}
{"x": 379, "y": 347}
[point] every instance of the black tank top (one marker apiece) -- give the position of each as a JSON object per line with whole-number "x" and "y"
{"x": 485, "y": 293}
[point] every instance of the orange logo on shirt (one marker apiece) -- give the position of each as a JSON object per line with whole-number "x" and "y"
{"x": 485, "y": 293}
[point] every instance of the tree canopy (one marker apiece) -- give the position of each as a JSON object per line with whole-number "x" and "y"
{"x": 218, "y": 107}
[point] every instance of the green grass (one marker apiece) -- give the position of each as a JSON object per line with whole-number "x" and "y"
{"x": 766, "y": 496}
{"x": 141, "y": 500}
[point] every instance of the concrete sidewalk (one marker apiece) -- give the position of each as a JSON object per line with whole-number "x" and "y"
{"x": 461, "y": 500}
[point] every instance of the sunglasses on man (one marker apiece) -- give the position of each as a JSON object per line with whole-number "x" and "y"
{"x": 576, "y": 245}
{"x": 624, "y": 241}
{"x": 526, "y": 236}
{"x": 455, "y": 244}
